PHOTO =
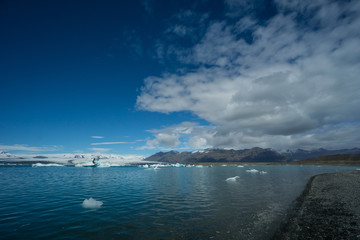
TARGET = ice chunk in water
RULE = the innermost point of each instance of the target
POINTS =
(47, 165)
(252, 171)
(232, 179)
(91, 203)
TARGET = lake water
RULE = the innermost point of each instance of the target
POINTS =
(139, 203)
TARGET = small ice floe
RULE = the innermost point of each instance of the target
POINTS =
(104, 165)
(153, 167)
(252, 171)
(199, 166)
(177, 165)
(263, 172)
(47, 165)
(232, 179)
(91, 203)
(240, 166)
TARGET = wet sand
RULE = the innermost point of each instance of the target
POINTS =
(329, 208)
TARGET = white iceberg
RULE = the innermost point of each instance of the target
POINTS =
(47, 165)
(232, 179)
(104, 165)
(91, 203)
(240, 166)
(178, 165)
(263, 172)
(252, 171)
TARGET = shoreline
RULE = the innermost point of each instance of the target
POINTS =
(328, 208)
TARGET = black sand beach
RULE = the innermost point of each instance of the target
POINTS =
(329, 208)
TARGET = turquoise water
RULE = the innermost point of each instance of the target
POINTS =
(138, 203)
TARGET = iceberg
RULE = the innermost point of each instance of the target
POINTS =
(232, 179)
(104, 165)
(91, 203)
(178, 165)
(47, 165)
(252, 171)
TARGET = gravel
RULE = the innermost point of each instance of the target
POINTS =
(329, 208)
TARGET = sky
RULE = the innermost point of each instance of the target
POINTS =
(142, 76)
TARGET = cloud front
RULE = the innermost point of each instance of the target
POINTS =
(289, 81)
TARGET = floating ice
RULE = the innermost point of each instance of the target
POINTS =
(232, 179)
(178, 165)
(153, 167)
(252, 171)
(47, 165)
(104, 165)
(91, 203)
(263, 172)
(240, 166)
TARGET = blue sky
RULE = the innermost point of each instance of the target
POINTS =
(153, 75)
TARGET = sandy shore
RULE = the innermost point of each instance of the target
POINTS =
(329, 208)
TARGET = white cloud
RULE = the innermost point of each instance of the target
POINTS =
(297, 82)
(170, 137)
(100, 149)
(97, 137)
(110, 143)
(24, 147)
(198, 142)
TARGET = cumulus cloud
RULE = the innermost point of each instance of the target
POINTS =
(171, 136)
(291, 81)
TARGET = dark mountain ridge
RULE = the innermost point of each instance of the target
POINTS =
(255, 154)
(301, 154)
(338, 159)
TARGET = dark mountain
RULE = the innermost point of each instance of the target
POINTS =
(301, 154)
(220, 155)
(341, 159)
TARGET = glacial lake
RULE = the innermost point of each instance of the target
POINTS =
(219, 202)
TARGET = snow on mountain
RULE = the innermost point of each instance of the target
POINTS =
(6, 155)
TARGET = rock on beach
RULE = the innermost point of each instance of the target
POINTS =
(329, 208)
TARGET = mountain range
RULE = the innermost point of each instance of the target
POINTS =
(219, 155)
(254, 155)
(301, 154)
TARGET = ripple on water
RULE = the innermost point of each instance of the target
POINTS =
(173, 203)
